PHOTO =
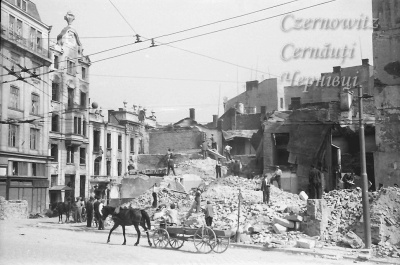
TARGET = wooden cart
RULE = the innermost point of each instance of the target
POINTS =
(204, 238)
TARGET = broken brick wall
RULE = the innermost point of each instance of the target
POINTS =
(386, 48)
(13, 209)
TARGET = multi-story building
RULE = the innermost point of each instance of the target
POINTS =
(69, 139)
(114, 145)
(24, 105)
(386, 47)
(259, 97)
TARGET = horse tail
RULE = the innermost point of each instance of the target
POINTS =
(146, 217)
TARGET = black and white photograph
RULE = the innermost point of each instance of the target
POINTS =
(198, 132)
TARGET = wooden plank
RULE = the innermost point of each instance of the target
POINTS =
(215, 153)
(222, 233)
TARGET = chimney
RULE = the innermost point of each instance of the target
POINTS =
(192, 114)
(215, 121)
(365, 61)
(220, 122)
(337, 69)
(250, 85)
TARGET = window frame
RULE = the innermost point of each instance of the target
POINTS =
(34, 138)
(70, 67)
(119, 142)
(82, 158)
(55, 157)
(13, 137)
(14, 104)
(70, 155)
(35, 110)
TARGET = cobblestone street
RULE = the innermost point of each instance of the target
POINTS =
(27, 242)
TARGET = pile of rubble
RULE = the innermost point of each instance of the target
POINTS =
(345, 211)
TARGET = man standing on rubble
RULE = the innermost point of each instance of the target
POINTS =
(227, 151)
(218, 168)
(266, 189)
(209, 213)
(204, 149)
(276, 176)
(315, 184)
(213, 142)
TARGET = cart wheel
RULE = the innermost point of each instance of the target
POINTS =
(204, 239)
(160, 238)
(176, 243)
(221, 244)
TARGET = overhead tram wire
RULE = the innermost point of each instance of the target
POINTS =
(215, 31)
(168, 34)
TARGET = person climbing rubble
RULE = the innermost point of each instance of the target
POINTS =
(218, 168)
(276, 176)
(227, 151)
(213, 142)
(204, 149)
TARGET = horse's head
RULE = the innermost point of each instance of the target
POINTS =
(107, 210)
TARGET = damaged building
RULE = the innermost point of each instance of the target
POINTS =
(386, 49)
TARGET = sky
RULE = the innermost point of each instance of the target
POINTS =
(186, 70)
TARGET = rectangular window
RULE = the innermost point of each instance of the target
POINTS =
(295, 103)
(119, 168)
(82, 156)
(24, 5)
(119, 142)
(54, 180)
(70, 67)
(35, 103)
(108, 140)
(96, 141)
(84, 128)
(12, 135)
(55, 63)
(34, 139)
(263, 109)
(132, 144)
(18, 30)
(39, 41)
(79, 125)
(32, 35)
(83, 72)
(55, 91)
(11, 25)
(70, 155)
(70, 97)
(55, 123)
(281, 103)
(14, 97)
(76, 125)
(19, 3)
(54, 152)
(83, 100)
(34, 172)
(96, 167)
(108, 168)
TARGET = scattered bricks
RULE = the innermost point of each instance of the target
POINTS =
(279, 229)
(284, 222)
(294, 218)
(305, 243)
(303, 196)
(353, 240)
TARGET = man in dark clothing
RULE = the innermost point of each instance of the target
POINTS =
(236, 168)
(197, 200)
(209, 213)
(315, 184)
(171, 166)
(218, 167)
(348, 180)
(89, 212)
(266, 189)
(213, 142)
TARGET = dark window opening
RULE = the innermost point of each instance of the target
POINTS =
(54, 152)
(55, 93)
(96, 141)
(84, 128)
(119, 142)
(55, 62)
(132, 144)
(119, 168)
(70, 97)
(70, 155)
(82, 156)
(295, 103)
(55, 123)
(108, 140)
(83, 100)
(97, 166)
(263, 109)
(108, 168)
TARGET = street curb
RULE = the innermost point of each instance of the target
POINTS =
(299, 251)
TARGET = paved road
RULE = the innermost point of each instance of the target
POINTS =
(26, 242)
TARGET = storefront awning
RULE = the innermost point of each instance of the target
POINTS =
(60, 187)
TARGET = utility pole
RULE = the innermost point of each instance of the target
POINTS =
(240, 198)
(364, 178)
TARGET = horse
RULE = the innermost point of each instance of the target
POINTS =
(127, 217)
(63, 207)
